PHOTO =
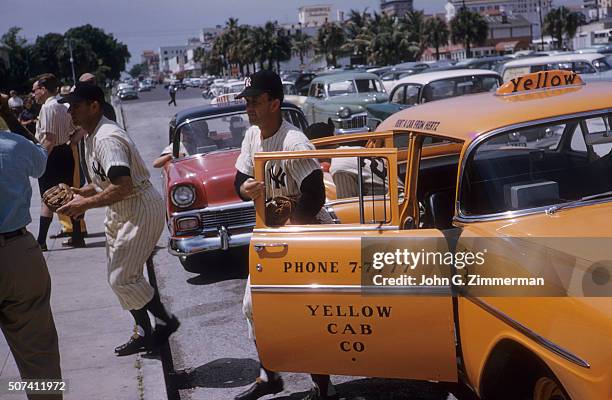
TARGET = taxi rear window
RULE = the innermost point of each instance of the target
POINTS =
(539, 166)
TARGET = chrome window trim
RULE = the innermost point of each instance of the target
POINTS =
(316, 288)
(326, 228)
(233, 206)
(461, 217)
(542, 341)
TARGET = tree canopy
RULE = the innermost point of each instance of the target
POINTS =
(93, 51)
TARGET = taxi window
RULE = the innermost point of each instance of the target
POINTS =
(538, 166)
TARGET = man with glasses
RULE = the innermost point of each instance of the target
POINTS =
(301, 179)
(54, 120)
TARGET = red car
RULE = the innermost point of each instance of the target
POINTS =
(203, 211)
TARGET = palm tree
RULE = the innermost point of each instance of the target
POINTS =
(435, 34)
(301, 44)
(330, 39)
(413, 25)
(281, 46)
(561, 21)
(358, 34)
(468, 28)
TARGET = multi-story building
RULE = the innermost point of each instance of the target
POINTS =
(315, 15)
(598, 9)
(532, 10)
(396, 7)
(208, 36)
(167, 53)
(151, 60)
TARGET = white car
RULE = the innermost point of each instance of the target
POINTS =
(590, 66)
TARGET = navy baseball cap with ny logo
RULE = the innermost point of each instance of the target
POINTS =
(264, 81)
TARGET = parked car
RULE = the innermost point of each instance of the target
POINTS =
(343, 97)
(127, 93)
(228, 91)
(591, 66)
(203, 211)
(431, 86)
(492, 63)
(387, 290)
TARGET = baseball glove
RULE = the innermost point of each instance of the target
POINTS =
(279, 210)
(57, 196)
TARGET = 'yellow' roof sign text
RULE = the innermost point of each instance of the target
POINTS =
(540, 80)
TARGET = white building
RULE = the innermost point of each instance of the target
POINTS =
(597, 9)
(168, 53)
(396, 7)
(530, 9)
(316, 15)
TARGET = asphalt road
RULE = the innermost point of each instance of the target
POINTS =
(159, 94)
(212, 357)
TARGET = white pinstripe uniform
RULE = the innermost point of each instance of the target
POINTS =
(133, 225)
(282, 178)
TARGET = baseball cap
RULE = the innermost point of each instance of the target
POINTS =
(87, 77)
(84, 92)
(264, 81)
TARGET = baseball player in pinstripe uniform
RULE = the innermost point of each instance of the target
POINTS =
(301, 179)
(134, 218)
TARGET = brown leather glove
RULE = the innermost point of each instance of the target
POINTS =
(57, 196)
(279, 210)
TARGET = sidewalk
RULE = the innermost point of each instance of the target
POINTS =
(90, 322)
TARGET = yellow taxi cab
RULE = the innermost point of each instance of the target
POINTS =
(509, 193)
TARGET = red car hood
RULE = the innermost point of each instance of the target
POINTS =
(211, 174)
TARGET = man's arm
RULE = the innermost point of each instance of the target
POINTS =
(311, 200)
(246, 187)
(119, 189)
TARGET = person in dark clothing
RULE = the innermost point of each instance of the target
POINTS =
(28, 116)
(172, 92)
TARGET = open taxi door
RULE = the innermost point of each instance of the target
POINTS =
(314, 307)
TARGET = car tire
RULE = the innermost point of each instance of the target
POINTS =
(233, 262)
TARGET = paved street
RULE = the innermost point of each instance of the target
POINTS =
(212, 356)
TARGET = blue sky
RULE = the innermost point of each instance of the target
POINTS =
(148, 24)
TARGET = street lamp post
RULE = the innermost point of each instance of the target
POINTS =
(541, 26)
(71, 60)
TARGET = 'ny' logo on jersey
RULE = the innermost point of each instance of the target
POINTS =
(278, 177)
(247, 81)
(98, 170)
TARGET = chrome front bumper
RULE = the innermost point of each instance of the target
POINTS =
(198, 244)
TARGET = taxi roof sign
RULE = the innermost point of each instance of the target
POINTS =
(555, 79)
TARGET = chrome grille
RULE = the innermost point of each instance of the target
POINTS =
(231, 218)
(357, 121)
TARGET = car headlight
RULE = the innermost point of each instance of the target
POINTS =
(344, 112)
(183, 196)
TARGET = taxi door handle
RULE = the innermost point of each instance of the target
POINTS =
(261, 246)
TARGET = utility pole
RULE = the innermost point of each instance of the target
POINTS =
(541, 26)
(69, 40)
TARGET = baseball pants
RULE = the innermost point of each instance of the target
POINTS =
(133, 227)
(25, 313)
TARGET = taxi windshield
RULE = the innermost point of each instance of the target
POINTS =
(539, 166)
